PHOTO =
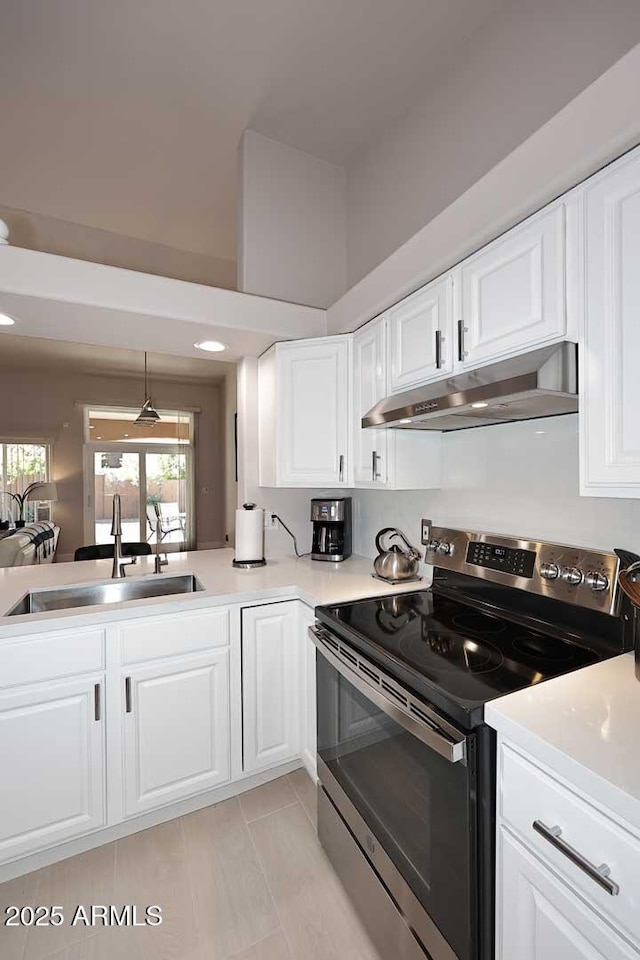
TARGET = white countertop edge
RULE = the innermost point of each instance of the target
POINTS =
(283, 578)
(612, 800)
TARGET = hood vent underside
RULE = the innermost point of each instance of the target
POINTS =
(542, 383)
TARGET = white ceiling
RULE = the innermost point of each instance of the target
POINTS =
(81, 323)
(126, 114)
(32, 353)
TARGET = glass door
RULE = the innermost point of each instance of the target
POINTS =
(116, 471)
(155, 488)
(166, 498)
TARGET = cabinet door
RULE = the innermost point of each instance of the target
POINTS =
(309, 747)
(539, 918)
(313, 412)
(513, 291)
(52, 762)
(271, 682)
(420, 336)
(610, 384)
(369, 386)
(176, 730)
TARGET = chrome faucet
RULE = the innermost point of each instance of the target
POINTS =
(159, 563)
(116, 532)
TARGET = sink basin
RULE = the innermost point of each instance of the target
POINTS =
(108, 591)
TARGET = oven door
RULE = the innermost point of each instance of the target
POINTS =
(403, 780)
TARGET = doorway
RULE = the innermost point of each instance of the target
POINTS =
(155, 481)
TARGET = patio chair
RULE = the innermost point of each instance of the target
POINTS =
(168, 524)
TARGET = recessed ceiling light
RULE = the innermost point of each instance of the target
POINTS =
(211, 346)
(406, 420)
(91, 426)
(479, 405)
(6, 320)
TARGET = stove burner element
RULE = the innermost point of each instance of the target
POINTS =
(535, 646)
(462, 654)
(477, 623)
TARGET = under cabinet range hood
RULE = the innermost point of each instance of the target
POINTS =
(542, 383)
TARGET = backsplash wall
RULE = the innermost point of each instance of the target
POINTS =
(518, 479)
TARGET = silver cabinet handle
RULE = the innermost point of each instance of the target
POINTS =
(462, 353)
(127, 694)
(601, 874)
(97, 705)
(438, 349)
(341, 467)
(374, 466)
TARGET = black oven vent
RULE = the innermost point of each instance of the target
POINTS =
(369, 673)
(394, 693)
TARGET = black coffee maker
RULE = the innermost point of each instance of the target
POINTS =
(331, 521)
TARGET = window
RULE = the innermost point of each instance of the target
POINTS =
(152, 470)
(23, 463)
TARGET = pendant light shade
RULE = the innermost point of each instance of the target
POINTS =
(148, 416)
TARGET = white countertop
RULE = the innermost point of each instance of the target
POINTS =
(585, 726)
(313, 582)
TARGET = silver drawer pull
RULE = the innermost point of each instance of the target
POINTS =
(600, 874)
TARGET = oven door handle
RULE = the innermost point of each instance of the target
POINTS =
(415, 717)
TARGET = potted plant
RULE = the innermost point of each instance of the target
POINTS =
(21, 499)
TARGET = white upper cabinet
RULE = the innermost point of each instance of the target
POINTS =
(421, 336)
(303, 413)
(370, 461)
(395, 459)
(513, 291)
(609, 382)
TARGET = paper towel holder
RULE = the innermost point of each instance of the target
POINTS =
(249, 564)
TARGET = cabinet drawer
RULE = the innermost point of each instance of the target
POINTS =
(528, 795)
(174, 635)
(50, 656)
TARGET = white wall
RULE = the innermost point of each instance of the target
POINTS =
(292, 224)
(518, 479)
(597, 126)
(513, 74)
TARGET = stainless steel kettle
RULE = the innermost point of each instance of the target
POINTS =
(395, 563)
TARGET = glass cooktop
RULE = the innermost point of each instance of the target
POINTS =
(448, 648)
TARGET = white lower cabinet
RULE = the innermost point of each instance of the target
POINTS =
(567, 872)
(167, 707)
(271, 685)
(539, 918)
(176, 729)
(52, 758)
(309, 746)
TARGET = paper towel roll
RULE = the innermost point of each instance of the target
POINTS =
(249, 535)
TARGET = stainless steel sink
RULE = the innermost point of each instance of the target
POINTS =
(109, 591)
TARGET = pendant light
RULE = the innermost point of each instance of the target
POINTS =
(148, 416)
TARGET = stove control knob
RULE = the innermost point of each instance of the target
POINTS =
(432, 546)
(549, 571)
(444, 547)
(572, 576)
(596, 581)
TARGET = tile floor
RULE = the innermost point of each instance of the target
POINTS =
(243, 880)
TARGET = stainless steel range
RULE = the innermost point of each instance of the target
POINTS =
(406, 802)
